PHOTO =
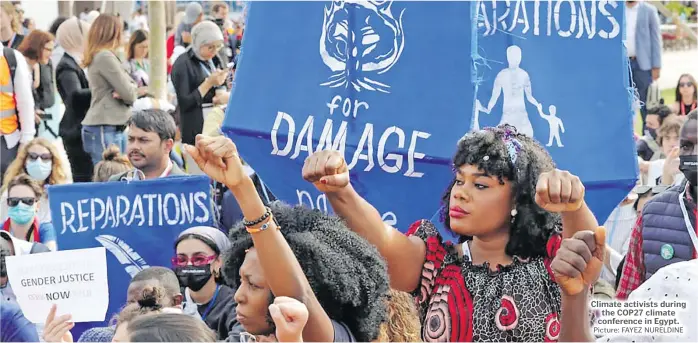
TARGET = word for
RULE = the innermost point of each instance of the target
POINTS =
(52, 280)
(638, 317)
(153, 209)
(320, 203)
(389, 162)
(513, 17)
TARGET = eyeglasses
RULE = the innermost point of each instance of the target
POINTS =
(198, 260)
(215, 47)
(44, 157)
(685, 84)
(12, 202)
(642, 190)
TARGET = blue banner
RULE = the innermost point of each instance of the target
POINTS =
(394, 85)
(558, 71)
(387, 83)
(137, 222)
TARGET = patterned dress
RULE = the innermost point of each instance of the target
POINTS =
(462, 302)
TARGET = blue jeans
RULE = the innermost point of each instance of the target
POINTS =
(642, 80)
(95, 139)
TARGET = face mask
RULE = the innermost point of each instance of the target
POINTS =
(21, 214)
(38, 169)
(652, 133)
(688, 165)
(193, 277)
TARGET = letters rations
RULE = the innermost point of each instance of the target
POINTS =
(580, 19)
(140, 210)
(638, 317)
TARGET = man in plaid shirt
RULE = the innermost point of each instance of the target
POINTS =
(634, 271)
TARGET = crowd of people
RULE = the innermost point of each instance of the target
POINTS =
(75, 107)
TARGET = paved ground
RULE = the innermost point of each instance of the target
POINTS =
(676, 63)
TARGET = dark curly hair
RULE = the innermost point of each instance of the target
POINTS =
(532, 225)
(347, 274)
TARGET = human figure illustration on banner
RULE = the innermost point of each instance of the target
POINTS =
(555, 124)
(515, 84)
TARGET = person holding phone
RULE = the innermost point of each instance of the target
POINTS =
(199, 78)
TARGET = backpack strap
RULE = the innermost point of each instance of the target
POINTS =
(11, 59)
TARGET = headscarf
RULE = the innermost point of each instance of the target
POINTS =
(211, 233)
(71, 38)
(203, 33)
(91, 16)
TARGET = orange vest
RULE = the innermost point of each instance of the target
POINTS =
(9, 121)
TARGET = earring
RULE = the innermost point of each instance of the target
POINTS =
(514, 212)
(216, 273)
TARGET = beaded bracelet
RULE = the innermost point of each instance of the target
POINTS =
(267, 213)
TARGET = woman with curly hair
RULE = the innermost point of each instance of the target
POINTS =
(41, 161)
(496, 283)
(295, 252)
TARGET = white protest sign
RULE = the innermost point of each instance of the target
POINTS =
(74, 280)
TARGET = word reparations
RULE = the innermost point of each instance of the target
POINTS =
(142, 209)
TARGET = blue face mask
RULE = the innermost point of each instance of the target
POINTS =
(21, 214)
(38, 169)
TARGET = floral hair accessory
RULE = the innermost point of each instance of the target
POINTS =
(512, 144)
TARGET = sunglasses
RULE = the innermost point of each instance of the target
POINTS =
(685, 84)
(197, 260)
(12, 202)
(642, 190)
(44, 157)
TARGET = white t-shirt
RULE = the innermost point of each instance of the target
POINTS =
(655, 171)
(678, 281)
(630, 28)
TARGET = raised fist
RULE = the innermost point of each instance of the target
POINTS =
(579, 260)
(559, 191)
(327, 170)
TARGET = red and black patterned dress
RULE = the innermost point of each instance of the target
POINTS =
(462, 302)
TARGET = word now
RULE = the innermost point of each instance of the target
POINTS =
(388, 162)
(153, 209)
(513, 16)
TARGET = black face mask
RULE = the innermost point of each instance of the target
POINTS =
(652, 133)
(688, 165)
(193, 277)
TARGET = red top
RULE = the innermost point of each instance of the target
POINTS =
(170, 45)
(462, 302)
(33, 233)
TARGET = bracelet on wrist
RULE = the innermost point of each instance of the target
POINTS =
(267, 224)
(267, 214)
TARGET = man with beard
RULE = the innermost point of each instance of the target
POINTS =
(151, 136)
(665, 233)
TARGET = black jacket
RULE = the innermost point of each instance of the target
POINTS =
(75, 91)
(187, 75)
